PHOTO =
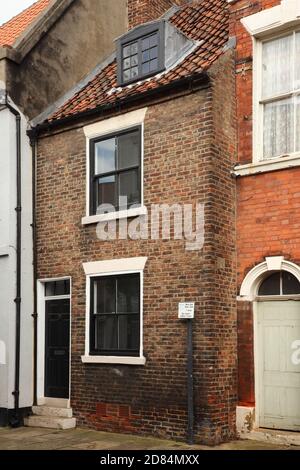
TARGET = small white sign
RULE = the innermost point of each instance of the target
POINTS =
(186, 310)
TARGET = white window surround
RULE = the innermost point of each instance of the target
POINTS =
(267, 24)
(112, 268)
(250, 284)
(101, 129)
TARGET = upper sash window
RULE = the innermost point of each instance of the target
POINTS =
(280, 96)
(116, 171)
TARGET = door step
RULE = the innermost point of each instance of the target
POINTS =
(51, 411)
(50, 417)
(273, 436)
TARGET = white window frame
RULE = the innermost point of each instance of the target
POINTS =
(113, 268)
(267, 24)
(105, 128)
(259, 102)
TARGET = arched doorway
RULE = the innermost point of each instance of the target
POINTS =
(274, 289)
(277, 341)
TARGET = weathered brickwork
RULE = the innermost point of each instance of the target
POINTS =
(189, 150)
(268, 204)
(142, 11)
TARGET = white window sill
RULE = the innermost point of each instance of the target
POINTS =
(132, 361)
(126, 214)
(267, 165)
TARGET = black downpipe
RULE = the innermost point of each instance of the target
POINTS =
(16, 419)
(34, 315)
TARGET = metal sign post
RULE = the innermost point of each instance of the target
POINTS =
(186, 312)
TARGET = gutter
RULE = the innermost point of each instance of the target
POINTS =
(16, 419)
(198, 81)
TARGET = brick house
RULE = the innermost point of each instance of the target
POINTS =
(268, 198)
(40, 60)
(155, 124)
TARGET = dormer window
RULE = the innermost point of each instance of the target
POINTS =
(141, 53)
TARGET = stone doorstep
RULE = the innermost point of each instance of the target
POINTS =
(50, 422)
(51, 417)
(51, 411)
(272, 436)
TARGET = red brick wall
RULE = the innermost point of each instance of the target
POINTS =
(268, 204)
(246, 393)
(141, 11)
(268, 218)
(188, 156)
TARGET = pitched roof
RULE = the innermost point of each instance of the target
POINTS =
(14, 28)
(205, 21)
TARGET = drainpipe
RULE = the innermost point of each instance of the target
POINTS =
(33, 141)
(16, 420)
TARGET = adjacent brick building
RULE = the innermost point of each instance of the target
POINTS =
(267, 214)
(185, 111)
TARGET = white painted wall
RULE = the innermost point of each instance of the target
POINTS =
(8, 264)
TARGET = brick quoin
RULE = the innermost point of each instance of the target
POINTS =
(189, 150)
(142, 11)
(268, 216)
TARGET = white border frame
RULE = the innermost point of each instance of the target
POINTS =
(91, 272)
(41, 299)
(101, 129)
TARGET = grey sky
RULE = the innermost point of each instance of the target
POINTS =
(10, 8)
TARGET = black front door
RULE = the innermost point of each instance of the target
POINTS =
(57, 348)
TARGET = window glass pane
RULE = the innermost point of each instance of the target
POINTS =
(290, 285)
(126, 51)
(134, 72)
(277, 59)
(271, 285)
(128, 294)
(104, 295)
(153, 40)
(57, 288)
(106, 191)
(145, 43)
(106, 332)
(126, 63)
(154, 53)
(278, 128)
(145, 56)
(153, 65)
(105, 156)
(126, 75)
(128, 150)
(134, 60)
(297, 62)
(129, 332)
(134, 48)
(129, 186)
(146, 68)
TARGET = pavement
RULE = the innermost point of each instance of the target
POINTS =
(85, 439)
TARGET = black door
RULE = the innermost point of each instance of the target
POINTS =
(57, 348)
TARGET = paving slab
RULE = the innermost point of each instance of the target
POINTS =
(85, 439)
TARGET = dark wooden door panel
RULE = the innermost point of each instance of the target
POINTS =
(57, 348)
